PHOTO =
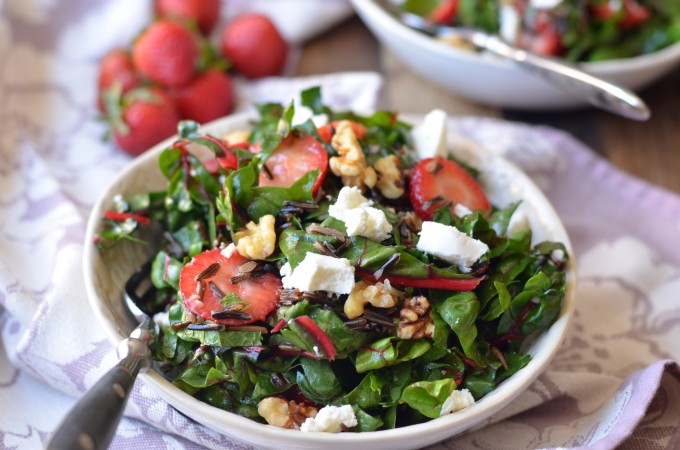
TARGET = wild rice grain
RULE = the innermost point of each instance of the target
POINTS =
(209, 271)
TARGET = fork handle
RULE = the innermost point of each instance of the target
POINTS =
(92, 422)
(596, 91)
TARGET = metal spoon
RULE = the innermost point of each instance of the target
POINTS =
(92, 422)
(596, 91)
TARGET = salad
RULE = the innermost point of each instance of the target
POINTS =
(589, 30)
(317, 273)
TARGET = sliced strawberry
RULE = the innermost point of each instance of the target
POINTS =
(445, 12)
(254, 46)
(547, 40)
(634, 14)
(166, 53)
(260, 293)
(435, 181)
(294, 157)
(326, 131)
(548, 43)
(204, 13)
(602, 11)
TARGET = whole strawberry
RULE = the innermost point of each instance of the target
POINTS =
(166, 53)
(203, 13)
(115, 69)
(254, 46)
(208, 97)
(142, 119)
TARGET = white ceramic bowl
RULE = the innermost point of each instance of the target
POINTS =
(488, 79)
(106, 273)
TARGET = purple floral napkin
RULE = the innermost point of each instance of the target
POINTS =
(613, 383)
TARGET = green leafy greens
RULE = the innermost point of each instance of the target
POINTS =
(308, 350)
(589, 30)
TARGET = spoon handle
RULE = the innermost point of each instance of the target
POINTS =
(597, 91)
(92, 422)
(569, 77)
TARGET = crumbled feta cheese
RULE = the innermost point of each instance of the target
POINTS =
(450, 244)
(348, 198)
(461, 210)
(557, 255)
(360, 218)
(303, 114)
(286, 271)
(519, 221)
(429, 138)
(331, 419)
(509, 21)
(456, 401)
(320, 273)
(545, 4)
(228, 250)
(368, 222)
(162, 319)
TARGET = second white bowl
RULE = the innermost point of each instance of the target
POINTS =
(488, 79)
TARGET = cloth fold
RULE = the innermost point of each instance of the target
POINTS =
(613, 382)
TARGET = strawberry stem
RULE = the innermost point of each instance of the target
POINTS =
(279, 326)
(432, 282)
(122, 216)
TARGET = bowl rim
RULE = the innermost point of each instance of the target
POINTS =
(606, 67)
(243, 428)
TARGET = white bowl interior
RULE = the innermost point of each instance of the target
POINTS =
(106, 273)
(493, 81)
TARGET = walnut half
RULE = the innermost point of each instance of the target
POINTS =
(390, 178)
(285, 414)
(350, 165)
(257, 241)
(416, 319)
(380, 295)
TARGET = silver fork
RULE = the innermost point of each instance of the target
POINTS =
(92, 422)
